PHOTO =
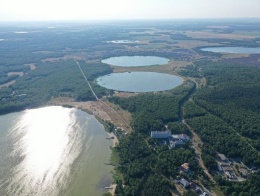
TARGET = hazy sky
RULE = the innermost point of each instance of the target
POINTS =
(126, 9)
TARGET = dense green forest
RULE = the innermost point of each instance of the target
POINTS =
(248, 188)
(146, 171)
(137, 164)
(226, 114)
(57, 79)
(152, 111)
(231, 96)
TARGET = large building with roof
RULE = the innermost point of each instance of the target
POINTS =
(161, 134)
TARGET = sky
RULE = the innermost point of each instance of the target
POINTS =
(45, 10)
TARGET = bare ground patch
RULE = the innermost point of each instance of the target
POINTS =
(66, 57)
(15, 73)
(231, 56)
(124, 94)
(204, 34)
(7, 84)
(189, 44)
(98, 109)
(168, 68)
(32, 66)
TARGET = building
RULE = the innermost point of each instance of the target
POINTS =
(222, 157)
(182, 137)
(176, 143)
(161, 134)
(220, 167)
(184, 183)
(185, 167)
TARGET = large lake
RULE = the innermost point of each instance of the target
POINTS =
(235, 50)
(135, 61)
(139, 81)
(53, 151)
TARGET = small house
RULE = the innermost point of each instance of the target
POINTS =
(222, 157)
(184, 183)
(185, 167)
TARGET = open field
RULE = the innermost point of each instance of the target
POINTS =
(7, 84)
(189, 44)
(205, 34)
(168, 68)
(32, 66)
(15, 73)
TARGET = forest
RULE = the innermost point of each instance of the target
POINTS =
(152, 111)
(147, 171)
(49, 80)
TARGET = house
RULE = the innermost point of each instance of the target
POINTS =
(222, 157)
(220, 167)
(161, 134)
(185, 167)
(182, 137)
(184, 183)
(177, 143)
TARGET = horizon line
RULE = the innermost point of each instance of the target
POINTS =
(136, 19)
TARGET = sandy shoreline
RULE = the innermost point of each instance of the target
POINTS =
(98, 109)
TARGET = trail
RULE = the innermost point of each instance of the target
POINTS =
(99, 100)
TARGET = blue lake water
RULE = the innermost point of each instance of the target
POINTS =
(139, 81)
(234, 50)
(135, 61)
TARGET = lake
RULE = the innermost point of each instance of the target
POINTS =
(122, 41)
(53, 151)
(139, 81)
(235, 50)
(136, 61)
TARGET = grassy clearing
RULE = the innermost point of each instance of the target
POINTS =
(168, 68)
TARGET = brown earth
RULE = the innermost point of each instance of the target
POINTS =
(205, 34)
(7, 84)
(100, 110)
(15, 73)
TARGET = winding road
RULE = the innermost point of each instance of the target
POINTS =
(196, 141)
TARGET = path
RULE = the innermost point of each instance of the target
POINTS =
(99, 100)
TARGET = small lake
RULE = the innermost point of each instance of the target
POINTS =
(234, 50)
(53, 151)
(122, 41)
(139, 81)
(136, 61)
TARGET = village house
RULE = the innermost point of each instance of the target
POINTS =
(184, 183)
(222, 157)
(185, 167)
